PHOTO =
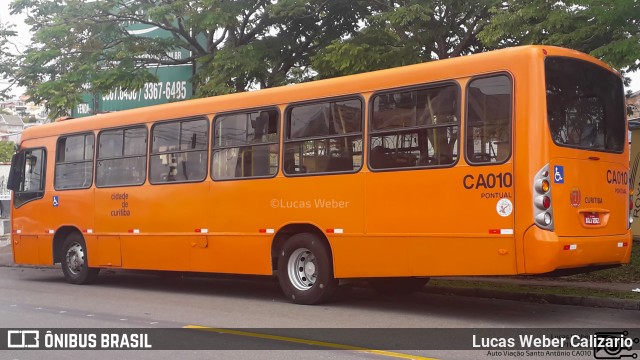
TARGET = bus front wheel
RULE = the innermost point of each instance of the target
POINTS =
(75, 267)
(305, 270)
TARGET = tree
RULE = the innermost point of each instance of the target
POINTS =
(401, 32)
(85, 46)
(7, 63)
(609, 30)
(7, 149)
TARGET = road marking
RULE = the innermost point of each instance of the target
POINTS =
(308, 342)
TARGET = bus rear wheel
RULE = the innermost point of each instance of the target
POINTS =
(305, 270)
(75, 267)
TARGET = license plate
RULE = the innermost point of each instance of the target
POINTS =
(591, 219)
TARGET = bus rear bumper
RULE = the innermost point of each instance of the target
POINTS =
(545, 252)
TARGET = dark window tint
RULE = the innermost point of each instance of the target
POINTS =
(122, 157)
(193, 135)
(179, 151)
(585, 105)
(488, 130)
(30, 165)
(325, 119)
(415, 128)
(166, 137)
(324, 137)
(135, 141)
(74, 162)
(110, 144)
(245, 145)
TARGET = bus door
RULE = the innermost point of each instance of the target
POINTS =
(488, 182)
(27, 181)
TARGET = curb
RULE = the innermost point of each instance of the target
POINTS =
(6, 260)
(621, 304)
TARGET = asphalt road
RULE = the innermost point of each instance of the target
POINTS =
(39, 298)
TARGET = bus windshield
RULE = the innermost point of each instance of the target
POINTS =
(584, 105)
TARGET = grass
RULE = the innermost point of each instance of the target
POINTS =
(629, 273)
(535, 289)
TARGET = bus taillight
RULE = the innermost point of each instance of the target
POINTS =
(546, 202)
(542, 212)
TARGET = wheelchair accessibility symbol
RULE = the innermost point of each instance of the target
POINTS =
(558, 174)
(56, 202)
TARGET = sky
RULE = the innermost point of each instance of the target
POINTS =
(24, 38)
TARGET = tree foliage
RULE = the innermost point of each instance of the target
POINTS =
(7, 149)
(7, 59)
(85, 45)
(235, 45)
(401, 32)
(609, 30)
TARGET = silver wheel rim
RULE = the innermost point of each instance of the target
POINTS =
(302, 269)
(75, 259)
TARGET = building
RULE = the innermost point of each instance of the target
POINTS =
(25, 109)
(13, 106)
(11, 127)
(633, 106)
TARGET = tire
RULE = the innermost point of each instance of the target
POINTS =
(74, 261)
(305, 270)
(398, 286)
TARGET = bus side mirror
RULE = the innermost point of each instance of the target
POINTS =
(15, 174)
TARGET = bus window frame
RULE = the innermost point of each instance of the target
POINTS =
(417, 87)
(39, 194)
(245, 111)
(151, 153)
(93, 160)
(147, 157)
(511, 123)
(286, 132)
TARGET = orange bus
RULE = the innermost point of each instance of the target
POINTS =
(502, 163)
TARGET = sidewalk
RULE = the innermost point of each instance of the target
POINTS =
(540, 290)
(6, 257)
(505, 288)
(541, 281)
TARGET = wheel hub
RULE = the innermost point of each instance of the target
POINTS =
(301, 269)
(75, 259)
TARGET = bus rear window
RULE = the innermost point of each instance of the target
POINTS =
(585, 105)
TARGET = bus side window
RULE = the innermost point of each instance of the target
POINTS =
(245, 145)
(74, 162)
(324, 137)
(179, 151)
(488, 120)
(122, 157)
(415, 128)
